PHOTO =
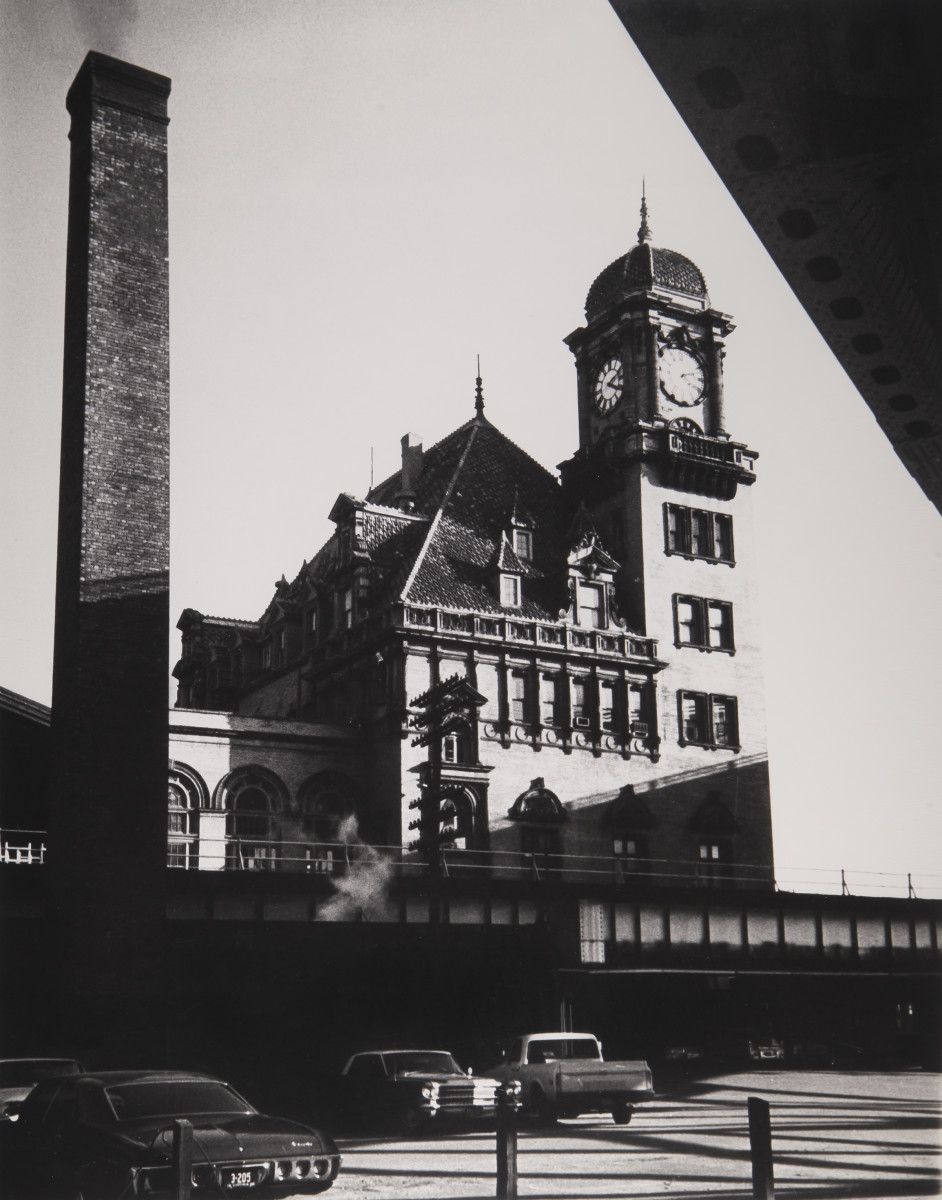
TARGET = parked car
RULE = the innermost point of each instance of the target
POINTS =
(110, 1134)
(413, 1090)
(742, 1050)
(564, 1075)
(18, 1076)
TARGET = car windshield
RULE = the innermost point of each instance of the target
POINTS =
(563, 1048)
(23, 1072)
(436, 1062)
(173, 1098)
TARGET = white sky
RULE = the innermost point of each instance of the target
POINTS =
(363, 197)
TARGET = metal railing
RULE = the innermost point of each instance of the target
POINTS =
(27, 847)
(339, 859)
(22, 847)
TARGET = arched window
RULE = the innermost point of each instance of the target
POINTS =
(186, 795)
(253, 799)
(457, 821)
(713, 827)
(328, 821)
(540, 816)
(181, 827)
(631, 822)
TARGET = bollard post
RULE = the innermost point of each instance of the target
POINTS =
(182, 1159)
(508, 1095)
(760, 1143)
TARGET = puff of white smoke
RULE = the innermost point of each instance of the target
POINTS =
(362, 893)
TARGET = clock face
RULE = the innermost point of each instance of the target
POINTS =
(681, 377)
(609, 384)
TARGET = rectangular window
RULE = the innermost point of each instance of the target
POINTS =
(510, 591)
(266, 655)
(722, 537)
(549, 700)
(580, 711)
(178, 854)
(523, 544)
(725, 723)
(708, 720)
(698, 533)
(687, 621)
(178, 822)
(347, 602)
(591, 606)
(519, 696)
(607, 704)
(706, 624)
(693, 716)
(720, 618)
(636, 721)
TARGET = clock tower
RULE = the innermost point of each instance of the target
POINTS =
(651, 353)
(669, 492)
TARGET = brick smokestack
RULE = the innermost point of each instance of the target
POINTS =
(108, 807)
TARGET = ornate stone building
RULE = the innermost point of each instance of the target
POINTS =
(606, 618)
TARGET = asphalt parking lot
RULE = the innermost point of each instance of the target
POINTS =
(834, 1134)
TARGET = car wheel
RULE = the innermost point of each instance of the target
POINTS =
(622, 1114)
(542, 1107)
(411, 1119)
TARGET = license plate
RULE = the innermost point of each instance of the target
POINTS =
(243, 1178)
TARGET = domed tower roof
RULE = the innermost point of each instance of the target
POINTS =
(645, 266)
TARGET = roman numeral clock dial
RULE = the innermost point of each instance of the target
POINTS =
(681, 377)
(609, 385)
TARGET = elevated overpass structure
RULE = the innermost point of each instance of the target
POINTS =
(824, 121)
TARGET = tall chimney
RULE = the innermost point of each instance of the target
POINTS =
(411, 470)
(108, 808)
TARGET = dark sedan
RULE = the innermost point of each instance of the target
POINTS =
(413, 1090)
(110, 1134)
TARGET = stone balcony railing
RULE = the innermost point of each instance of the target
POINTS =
(517, 630)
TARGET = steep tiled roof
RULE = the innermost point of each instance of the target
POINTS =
(445, 550)
(475, 476)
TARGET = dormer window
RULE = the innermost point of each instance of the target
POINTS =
(523, 544)
(510, 591)
(591, 605)
(346, 607)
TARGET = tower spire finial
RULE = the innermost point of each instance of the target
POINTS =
(478, 393)
(644, 233)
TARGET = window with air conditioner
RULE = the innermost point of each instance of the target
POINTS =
(579, 700)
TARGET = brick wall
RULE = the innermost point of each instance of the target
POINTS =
(107, 819)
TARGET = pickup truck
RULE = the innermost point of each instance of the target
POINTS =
(564, 1075)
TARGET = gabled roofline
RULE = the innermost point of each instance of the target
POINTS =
(437, 519)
